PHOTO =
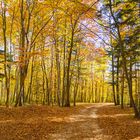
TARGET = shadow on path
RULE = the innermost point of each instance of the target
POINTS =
(81, 126)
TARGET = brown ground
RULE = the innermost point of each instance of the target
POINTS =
(54, 123)
(119, 123)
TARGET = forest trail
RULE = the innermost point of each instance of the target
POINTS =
(82, 126)
(51, 123)
(83, 122)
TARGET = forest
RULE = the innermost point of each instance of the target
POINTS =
(67, 55)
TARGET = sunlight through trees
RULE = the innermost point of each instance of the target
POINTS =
(60, 52)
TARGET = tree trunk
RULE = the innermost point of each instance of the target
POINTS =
(122, 89)
(67, 104)
(117, 81)
(113, 77)
(7, 78)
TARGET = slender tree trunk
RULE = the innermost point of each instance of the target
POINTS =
(68, 70)
(7, 82)
(103, 88)
(96, 90)
(58, 74)
(51, 76)
(130, 75)
(117, 81)
(64, 72)
(113, 77)
(22, 61)
(122, 90)
(29, 93)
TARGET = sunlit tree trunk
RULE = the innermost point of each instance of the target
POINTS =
(122, 89)
(117, 80)
(7, 76)
(64, 70)
(68, 69)
(20, 97)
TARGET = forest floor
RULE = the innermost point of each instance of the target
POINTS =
(83, 122)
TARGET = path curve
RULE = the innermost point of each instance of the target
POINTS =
(83, 126)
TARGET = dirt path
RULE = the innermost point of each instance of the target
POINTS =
(83, 122)
(51, 123)
(82, 126)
